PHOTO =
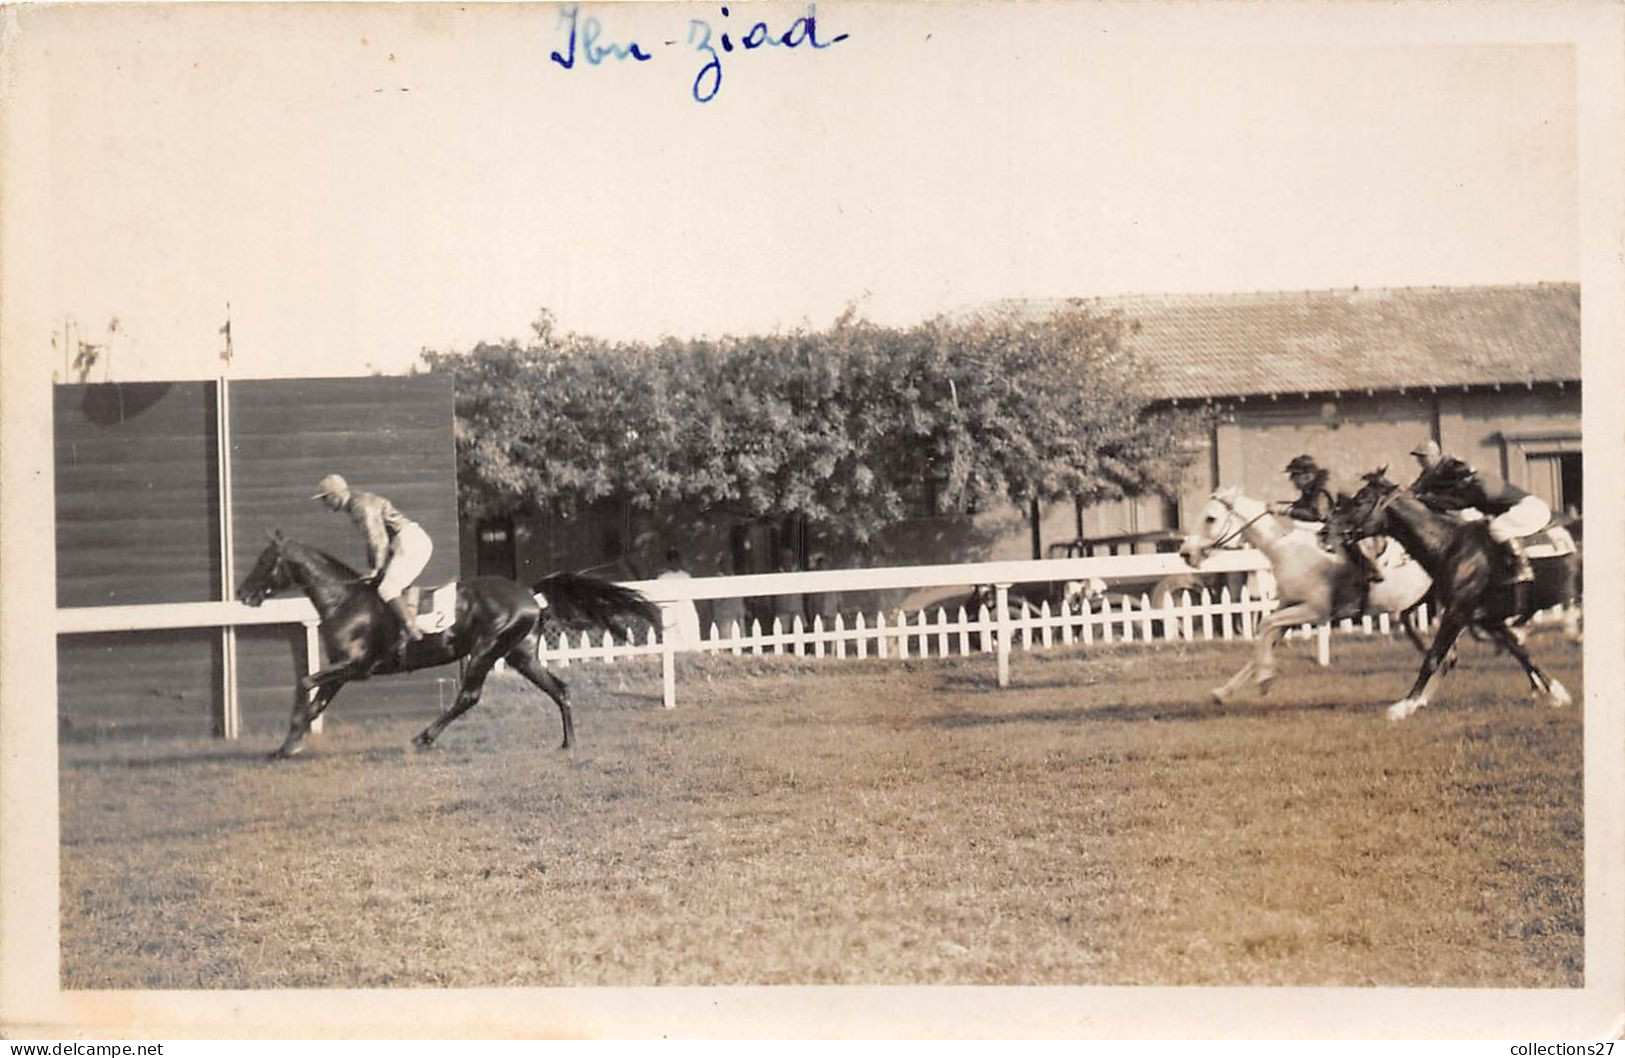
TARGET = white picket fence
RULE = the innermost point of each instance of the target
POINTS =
(934, 632)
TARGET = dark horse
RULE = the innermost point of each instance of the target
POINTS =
(497, 619)
(1469, 580)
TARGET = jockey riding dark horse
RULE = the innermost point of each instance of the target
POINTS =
(397, 549)
(1448, 484)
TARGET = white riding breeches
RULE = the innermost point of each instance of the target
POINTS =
(408, 553)
(1530, 515)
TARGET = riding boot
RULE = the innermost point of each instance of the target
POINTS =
(409, 625)
(1369, 573)
(1373, 575)
(1521, 575)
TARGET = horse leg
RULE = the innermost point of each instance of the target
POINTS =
(523, 661)
(1427, 679)
(1543, 687)
(1407, 621)
(468, 696)
(1261, 666)
(325, 682)
(1225, 691)
(481, 660)
(305, 712)
(336, 674)
(1273, 629)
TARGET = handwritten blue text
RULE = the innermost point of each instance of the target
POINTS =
(585, 41)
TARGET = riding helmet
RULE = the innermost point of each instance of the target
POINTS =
(1303, 464)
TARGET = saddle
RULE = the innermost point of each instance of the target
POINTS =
(435, 608)
(1554, 541)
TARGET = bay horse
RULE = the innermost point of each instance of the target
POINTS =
(496, 619)
(1469, 574)
(1313, 584)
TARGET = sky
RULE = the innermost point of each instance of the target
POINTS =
(358, 183)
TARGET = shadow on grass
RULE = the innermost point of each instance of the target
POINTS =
(235, 754)
(1182, 712)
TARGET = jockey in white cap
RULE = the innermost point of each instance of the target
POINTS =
(1428, 455)
(397, 548)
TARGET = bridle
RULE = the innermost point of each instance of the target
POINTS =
(1378, 509)
(276, 577)
(1234, 533)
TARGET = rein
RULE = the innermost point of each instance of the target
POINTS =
(1378, 509)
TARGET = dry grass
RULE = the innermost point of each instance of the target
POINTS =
(859, 823)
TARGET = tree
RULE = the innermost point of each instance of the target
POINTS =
(840, 427)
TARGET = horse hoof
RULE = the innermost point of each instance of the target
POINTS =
(1557, 696)
(423, 742)
(1218, 696)
(284, 752)
(1265, 684)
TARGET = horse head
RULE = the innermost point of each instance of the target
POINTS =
(270, 573)
(1360, 515)
(1218, 525)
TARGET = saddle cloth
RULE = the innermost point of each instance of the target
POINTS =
(436, 608)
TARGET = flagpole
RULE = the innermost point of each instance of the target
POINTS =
(231, 709)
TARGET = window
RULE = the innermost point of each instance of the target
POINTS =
(1556, 478)
(494, 550)
(1548, 465)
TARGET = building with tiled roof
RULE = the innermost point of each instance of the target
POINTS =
(1207, 347)
(1355, 378)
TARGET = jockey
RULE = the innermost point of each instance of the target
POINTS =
(1448, 484)
(1314, 504)
(397, 547)
(1428, 455)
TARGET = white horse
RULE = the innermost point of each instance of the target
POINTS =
(1313, 584)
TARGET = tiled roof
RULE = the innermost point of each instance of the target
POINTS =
(1231, 345)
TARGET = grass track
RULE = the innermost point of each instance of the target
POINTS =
(860, 823)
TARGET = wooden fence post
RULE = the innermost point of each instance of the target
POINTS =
(668, 668)
(1003, 618)
(313, 661)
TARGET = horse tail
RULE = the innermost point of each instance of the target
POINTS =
(578, 597)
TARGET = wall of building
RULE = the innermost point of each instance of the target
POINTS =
(1517, 433)
(1508, 432)
(1348, 437)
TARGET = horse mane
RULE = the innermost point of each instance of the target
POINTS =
(316, 556)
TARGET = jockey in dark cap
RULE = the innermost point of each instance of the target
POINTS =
(1314, 504)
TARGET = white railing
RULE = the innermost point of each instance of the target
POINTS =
(159, 616)
(226, 617)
